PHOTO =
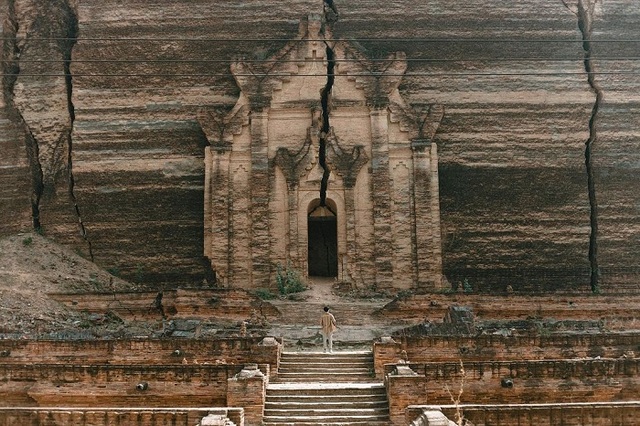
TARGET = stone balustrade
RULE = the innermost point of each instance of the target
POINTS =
(62, 416)
(232, 350)
(434, 307)
(578, 414)
(220, 304)
(511, 382)
(116, 385)
(496, 347)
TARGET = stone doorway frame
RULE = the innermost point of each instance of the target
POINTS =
(329, 210)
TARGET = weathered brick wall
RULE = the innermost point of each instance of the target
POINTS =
(247, 389)
(504, 348)
(500, 306)
(597, 414)
(116, 385)
(403, 391)
(551, 381)
(232, 304)
(114, 416)
(141, 352)
(217, 304)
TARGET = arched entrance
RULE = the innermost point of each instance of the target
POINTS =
(322, 239)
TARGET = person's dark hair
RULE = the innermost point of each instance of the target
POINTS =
(326, 309)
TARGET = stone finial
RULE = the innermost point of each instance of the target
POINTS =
(269, 341)
(388, 340)
(249, 371)
(214, 420)
(403, 370)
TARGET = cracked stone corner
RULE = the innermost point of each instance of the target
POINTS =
(49, 155)
(12, 51)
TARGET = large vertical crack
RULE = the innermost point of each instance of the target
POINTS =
(11, 51)
(67, 45)
(584, 11)
(49, 32)
(330, 15)
(325, 129)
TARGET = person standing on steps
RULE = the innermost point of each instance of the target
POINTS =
(328, 323)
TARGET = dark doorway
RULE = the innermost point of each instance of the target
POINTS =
(322, 240)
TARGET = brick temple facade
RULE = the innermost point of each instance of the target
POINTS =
(322, 166)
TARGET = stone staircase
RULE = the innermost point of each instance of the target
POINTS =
(314, 388)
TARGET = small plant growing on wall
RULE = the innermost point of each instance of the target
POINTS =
(264, 294)
(457, 398)
(289, 280)
(466, 286)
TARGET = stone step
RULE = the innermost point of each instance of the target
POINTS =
(336, 423)
(324, 369)
(328, 390)
(314, 388)
(344, 366)
(326, 356)
(325, 420)
(314, 368)
(327, 376)
(297, 404)
(324, 364)
(379, 413)
(328, 398)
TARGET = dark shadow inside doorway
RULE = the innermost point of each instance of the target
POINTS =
(322, 243)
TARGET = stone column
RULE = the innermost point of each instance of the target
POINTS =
(347, 164)
(260, 191)
(216, 214)
(352, 263)
(247, 389)
(381, 196)
(428, 249)
(404, 258)
(294, 242)
(435, 220)
(241, 222)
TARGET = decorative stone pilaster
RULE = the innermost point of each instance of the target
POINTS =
(269, 350)
(294, 166)
(436, 231)
(428, 238)
(217, 227)
(247, 389)
(381, 197)
(404, 387)
(386, 351)
(260, 190)
(347, 164)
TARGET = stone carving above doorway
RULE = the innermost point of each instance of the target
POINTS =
(317, 125)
